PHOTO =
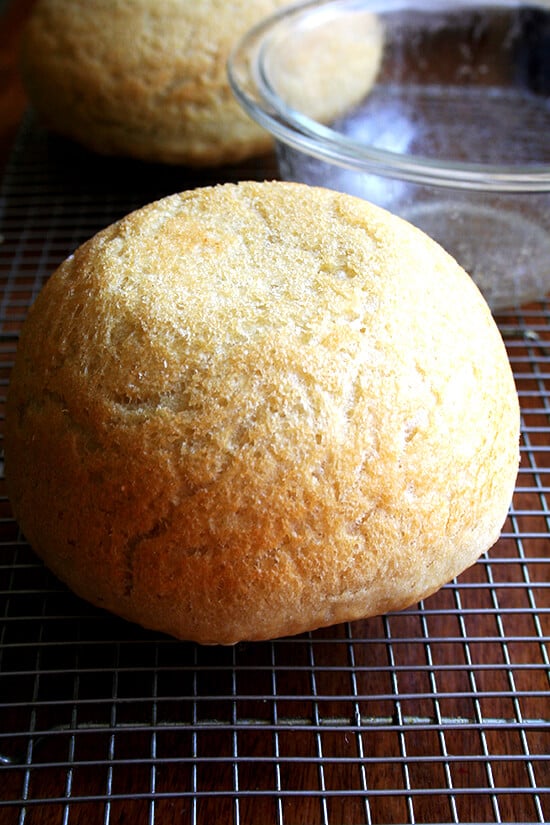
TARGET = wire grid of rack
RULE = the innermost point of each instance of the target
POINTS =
(438, 714)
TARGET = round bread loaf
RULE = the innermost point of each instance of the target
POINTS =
(143, 78)
(147, 78)
(252, 410)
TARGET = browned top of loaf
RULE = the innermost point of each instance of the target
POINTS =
(252, 410)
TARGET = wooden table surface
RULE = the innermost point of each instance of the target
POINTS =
(439, 714)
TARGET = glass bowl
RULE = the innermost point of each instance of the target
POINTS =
(438, 111)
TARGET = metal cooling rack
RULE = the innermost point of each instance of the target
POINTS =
(439, 714)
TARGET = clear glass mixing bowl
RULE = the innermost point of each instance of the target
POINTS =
(438, 111)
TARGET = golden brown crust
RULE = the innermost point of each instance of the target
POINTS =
(144, 78)
(253, 410)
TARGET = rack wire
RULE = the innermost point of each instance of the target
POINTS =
(438, 714)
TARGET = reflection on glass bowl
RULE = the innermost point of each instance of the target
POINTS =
(443, 118)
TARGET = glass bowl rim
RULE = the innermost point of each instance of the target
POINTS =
(250, 85)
